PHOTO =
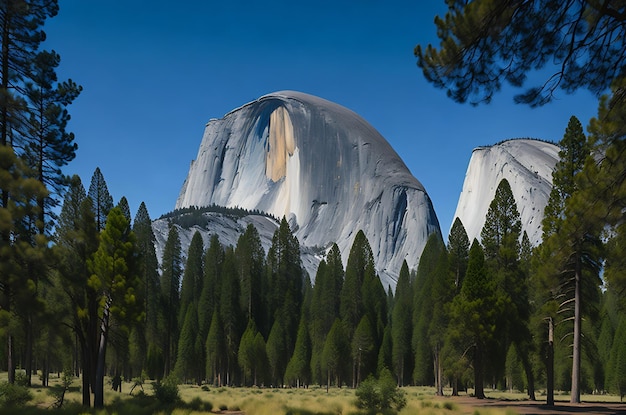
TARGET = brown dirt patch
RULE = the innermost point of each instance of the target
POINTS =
(538, 407)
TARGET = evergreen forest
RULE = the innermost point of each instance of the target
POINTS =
(82, 288)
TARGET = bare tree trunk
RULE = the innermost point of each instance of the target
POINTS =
(550, 365)
(575, 396)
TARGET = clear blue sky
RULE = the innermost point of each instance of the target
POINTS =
(154, 72)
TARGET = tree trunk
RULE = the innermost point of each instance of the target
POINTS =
(10, 359)
(28, 352)
(575, 396)
(98, 398)
(550, 365)
(479, 389)
(86, 377)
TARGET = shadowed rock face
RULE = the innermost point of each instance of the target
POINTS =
(320, 165)
(527, 165)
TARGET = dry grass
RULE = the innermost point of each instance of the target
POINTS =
(313, 400)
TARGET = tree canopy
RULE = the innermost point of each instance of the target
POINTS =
(484, 43)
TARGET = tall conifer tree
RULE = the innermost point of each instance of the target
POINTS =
(171, 270)
(100, 197)
(570, 254)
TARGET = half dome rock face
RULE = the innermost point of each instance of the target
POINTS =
(527, 165)
(324, 168)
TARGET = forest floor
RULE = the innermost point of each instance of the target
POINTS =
(316, 400)
(539, 407)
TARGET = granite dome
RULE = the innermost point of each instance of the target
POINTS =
(320, 165)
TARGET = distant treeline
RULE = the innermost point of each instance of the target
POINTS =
(194, 215)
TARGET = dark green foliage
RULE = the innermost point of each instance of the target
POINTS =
(501, 238)
(13, 395)
(215, 348)
(335, 354)
(486, 42)
(115, 282)
(195, 216)
(250, 268)
(401, 326)
(48, 145)
(190, 350)
(171, 270)
(58, 391)
(324, 307)
(570, 255)
(76, 241)
(458, 250)
(252, 356)
(149, 294)
(606, 184)
(362, 295)
(298, 368)
(213, 262)
(572, 156)
(474, 314)
(191, 286)
(230, 313)
(422, 309)
(285, 279)
(360, 267)
(616, 376)
(123, 206)
(380, 394)
(100, 197)
(166, 391)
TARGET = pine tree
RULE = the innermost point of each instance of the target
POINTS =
(125, 208)
(148, 271)
(401, 325)
(458, 250)
(422, 309)
(501, 237)
(189, 350)
(48, 146)
(335, 354)
(22, 246)
(474, 314)
(277, 352)
(191, 286)
(362, 294)
(362, 347)
(617, 362)
(298, 370)
(76, 240)
(442, 294)
(213, 262)
(570, 253)
(286, 280)
(605, 184)
(101, 198)
(230, 312)
(214, 348)
(251, 264)
(171, 270)
(251, 355)
(360, 261)
(324, 308)
(115, 283)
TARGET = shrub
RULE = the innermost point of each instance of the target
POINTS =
(58, 391)
(20, 378)
(166, 391)
(380, 394)
(12, 395)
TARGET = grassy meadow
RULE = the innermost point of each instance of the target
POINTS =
(198, 400)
